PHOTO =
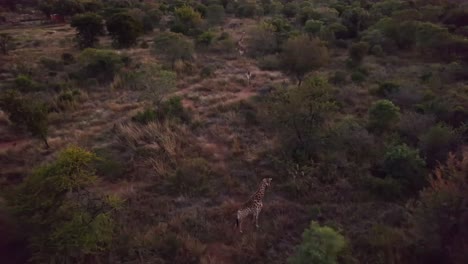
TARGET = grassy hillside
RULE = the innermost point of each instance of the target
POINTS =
(133, 131)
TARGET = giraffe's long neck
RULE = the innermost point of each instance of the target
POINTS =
(258, 196)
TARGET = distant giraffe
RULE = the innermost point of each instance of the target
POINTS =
(241, 47)
(248, 75)
(254, 205)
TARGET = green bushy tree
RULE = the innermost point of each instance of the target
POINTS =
(173, 46)
(65, 221)
(88, 26)
(26, 113)
(437, 142)
(298, 62)
(187, 20)
(99, 64)
(383, 115)
(299, 114)
(313, 27)
(215, 14)
(320, 245)
(124, 29)
(358, 51)
(406, 166)
(355, 19)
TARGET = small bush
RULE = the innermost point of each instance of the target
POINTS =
(338, 78)
(215, 14)
(124, 29)
(88, 26)
(100, 64)
(206, 38)
(192, 177)
(383, 115)
(358, 77)
(387, 189)
(387, 88)
(358, 51)
(207, 71)
(24, 83)
(187, 21)
(404, 164)
(269, 63)
(146, 116)
(437, 142)
(68, 58)
(313, 27)
(320, 245)
(377, 50)
(173, 46)
(173, 109)
(51, 64)
(109, 165)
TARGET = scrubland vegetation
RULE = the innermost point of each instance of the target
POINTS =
(131, 131)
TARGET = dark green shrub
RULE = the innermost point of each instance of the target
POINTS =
(320, 245)
(24, 83)
(387, 189)
(437, 142)
(376, 50)
(51, 64)
(290, 113)
(358, 51)
(187, 21)
(173, 109)
(99, 64)
(124, 29)
(269, 63)
(355, 19)
(88, 26)
(383, 115)
(206, 38)
(387, 88)
(68, 58)
(313, 27)
(26, 113)
(338, 78)
(290, 9)
(109, 165)
(215, 14)
(173, 46)
(192, 177)
(207, 71)
(404, 164)
(146, 116)
(298, 63)
(249, 9)
(65, 221)
(358, 77)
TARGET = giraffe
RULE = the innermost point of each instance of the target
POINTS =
(241, 47)
(248, 75)
(254, 205)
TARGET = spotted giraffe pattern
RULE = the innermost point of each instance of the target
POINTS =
(254, 205)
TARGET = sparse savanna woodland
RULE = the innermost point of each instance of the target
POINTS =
(223, 132)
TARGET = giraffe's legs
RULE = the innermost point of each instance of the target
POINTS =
(240, 225)
(257, 213)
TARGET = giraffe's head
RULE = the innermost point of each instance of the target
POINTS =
(266, 181)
